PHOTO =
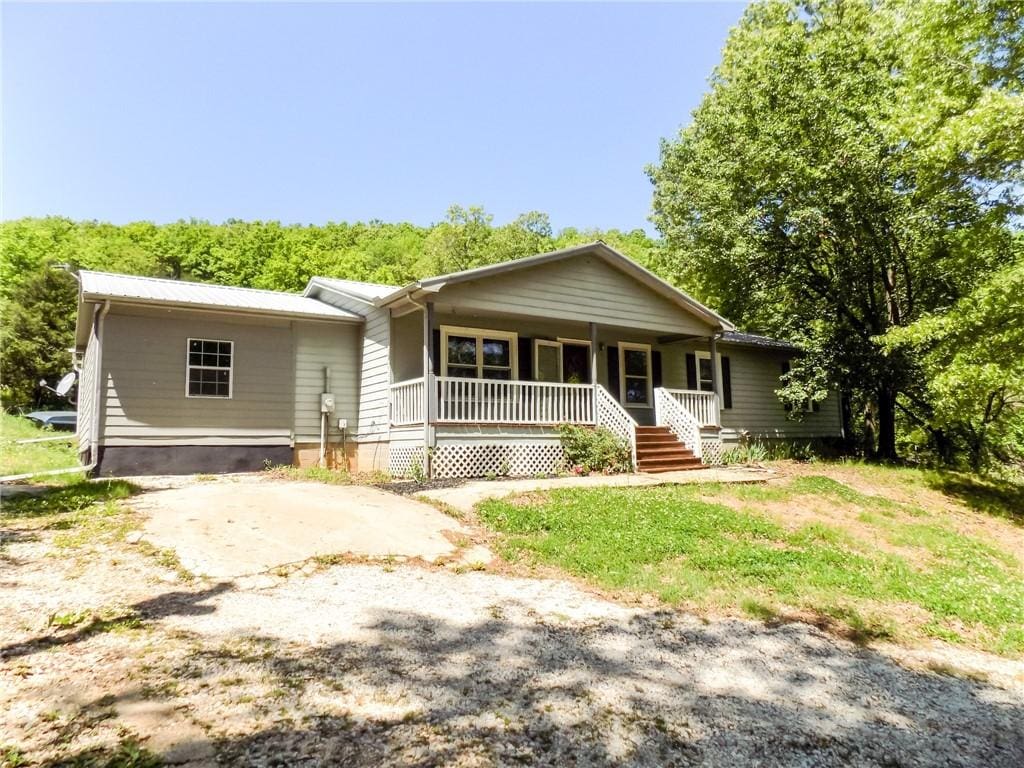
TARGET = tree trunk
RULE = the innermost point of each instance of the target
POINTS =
(886, 423)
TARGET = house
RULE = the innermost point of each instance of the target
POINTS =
(462, 375)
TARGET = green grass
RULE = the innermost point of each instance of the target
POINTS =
(877, 567)
(36, 457)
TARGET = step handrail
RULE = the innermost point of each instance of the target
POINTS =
(609, 413)
(669, 413)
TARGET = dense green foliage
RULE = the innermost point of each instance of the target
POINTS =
(856, 166)
(878, 566)
(37, 302)
(589, 449)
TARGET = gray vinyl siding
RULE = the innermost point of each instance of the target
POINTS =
(87, 395)
(144, 374)
(334, 346)
(583, 289)
(756, 408)
(372, 419)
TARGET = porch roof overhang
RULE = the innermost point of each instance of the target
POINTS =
(414, 294)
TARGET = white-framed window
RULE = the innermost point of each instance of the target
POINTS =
(635, 374)
(705, 381)
(479, 353)
(208, 368)
(547, 360)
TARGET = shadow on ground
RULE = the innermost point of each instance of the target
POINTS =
(519, 689)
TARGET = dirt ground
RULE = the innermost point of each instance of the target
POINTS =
(109, 649)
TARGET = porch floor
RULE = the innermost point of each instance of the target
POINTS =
(465, 497)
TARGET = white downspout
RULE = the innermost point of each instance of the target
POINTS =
(94, 447)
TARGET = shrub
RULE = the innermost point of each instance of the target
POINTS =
(593, 449)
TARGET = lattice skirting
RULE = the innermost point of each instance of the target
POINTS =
(402, 459)
(711, 450)
(483, 459)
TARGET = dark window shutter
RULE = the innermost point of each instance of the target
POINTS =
(691, 370)
(613, 371)
(785, 370)
(815, 406)
(436, 343)
(655, 368)
(525, 359)
(726, 383)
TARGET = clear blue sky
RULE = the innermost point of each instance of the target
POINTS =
(343, 112)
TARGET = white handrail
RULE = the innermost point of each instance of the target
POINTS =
(498, 401)
(611, 415)
(668, 412)
(407, 402)
(704, 406)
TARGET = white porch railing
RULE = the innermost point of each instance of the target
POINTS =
(669, 412)
(407, 400)
(493, 401)
(703, 405)
(615, 418)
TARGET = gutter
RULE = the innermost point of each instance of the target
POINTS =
(97, 411)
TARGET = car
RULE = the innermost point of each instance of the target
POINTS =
(66, 421)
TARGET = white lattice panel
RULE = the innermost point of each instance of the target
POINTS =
(483, 459)
(671, 414)
(711, 450)
(402, 458)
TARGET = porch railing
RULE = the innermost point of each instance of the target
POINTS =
(703, 405)
(668, 412)
(492, 401)
(407, 401)
(611, 415)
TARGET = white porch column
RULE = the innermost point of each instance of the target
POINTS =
(429, 385)
(593, 366)
(716, 380)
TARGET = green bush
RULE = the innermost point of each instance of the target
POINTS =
(594, 449)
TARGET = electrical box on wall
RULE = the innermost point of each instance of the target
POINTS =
(326, 403)
(342, 424)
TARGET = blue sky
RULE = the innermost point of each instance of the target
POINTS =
(344, 112)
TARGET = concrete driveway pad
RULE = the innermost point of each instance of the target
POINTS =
(227, 529)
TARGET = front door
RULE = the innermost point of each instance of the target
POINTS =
(575, 363)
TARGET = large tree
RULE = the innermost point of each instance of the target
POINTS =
(855, 165)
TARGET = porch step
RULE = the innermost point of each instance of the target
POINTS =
(659, 450)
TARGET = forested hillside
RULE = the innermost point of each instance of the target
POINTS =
(38, 299)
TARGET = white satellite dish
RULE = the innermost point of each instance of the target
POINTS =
(65, 384)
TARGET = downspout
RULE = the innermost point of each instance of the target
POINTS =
(94, 447)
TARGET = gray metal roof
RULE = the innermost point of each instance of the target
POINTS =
(153, 290)
(754, 340)
(370, 292)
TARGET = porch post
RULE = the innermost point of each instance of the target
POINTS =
(593, 366)
(716, 384)
(429, 385)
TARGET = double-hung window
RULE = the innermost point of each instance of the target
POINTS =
(475, 353)
(209, 364)
(705, 380)
(635, 364)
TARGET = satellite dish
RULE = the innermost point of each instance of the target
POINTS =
(65, 384)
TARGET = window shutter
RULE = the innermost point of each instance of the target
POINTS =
(436, 343)
(726, 383)
(785, 370)
(613, 371)
(525, 359)
(815, 406)
(691, 370)
(655, 368)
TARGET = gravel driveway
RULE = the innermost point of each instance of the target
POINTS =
(384, 664)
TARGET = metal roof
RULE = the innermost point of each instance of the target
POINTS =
(153, 290)
(754, 340)
(369, 292)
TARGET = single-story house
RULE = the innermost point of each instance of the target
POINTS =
(459, 375)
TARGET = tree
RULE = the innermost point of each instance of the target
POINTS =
(855, 165)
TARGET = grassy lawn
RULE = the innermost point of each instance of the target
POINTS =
(868, 551)
(17, 459)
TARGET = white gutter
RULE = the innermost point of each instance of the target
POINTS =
(94, 447)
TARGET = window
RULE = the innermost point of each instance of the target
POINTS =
(473, 353)
(209, 368)
(635, 364)
(705, 381)
(808, 406)
(547, 360)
